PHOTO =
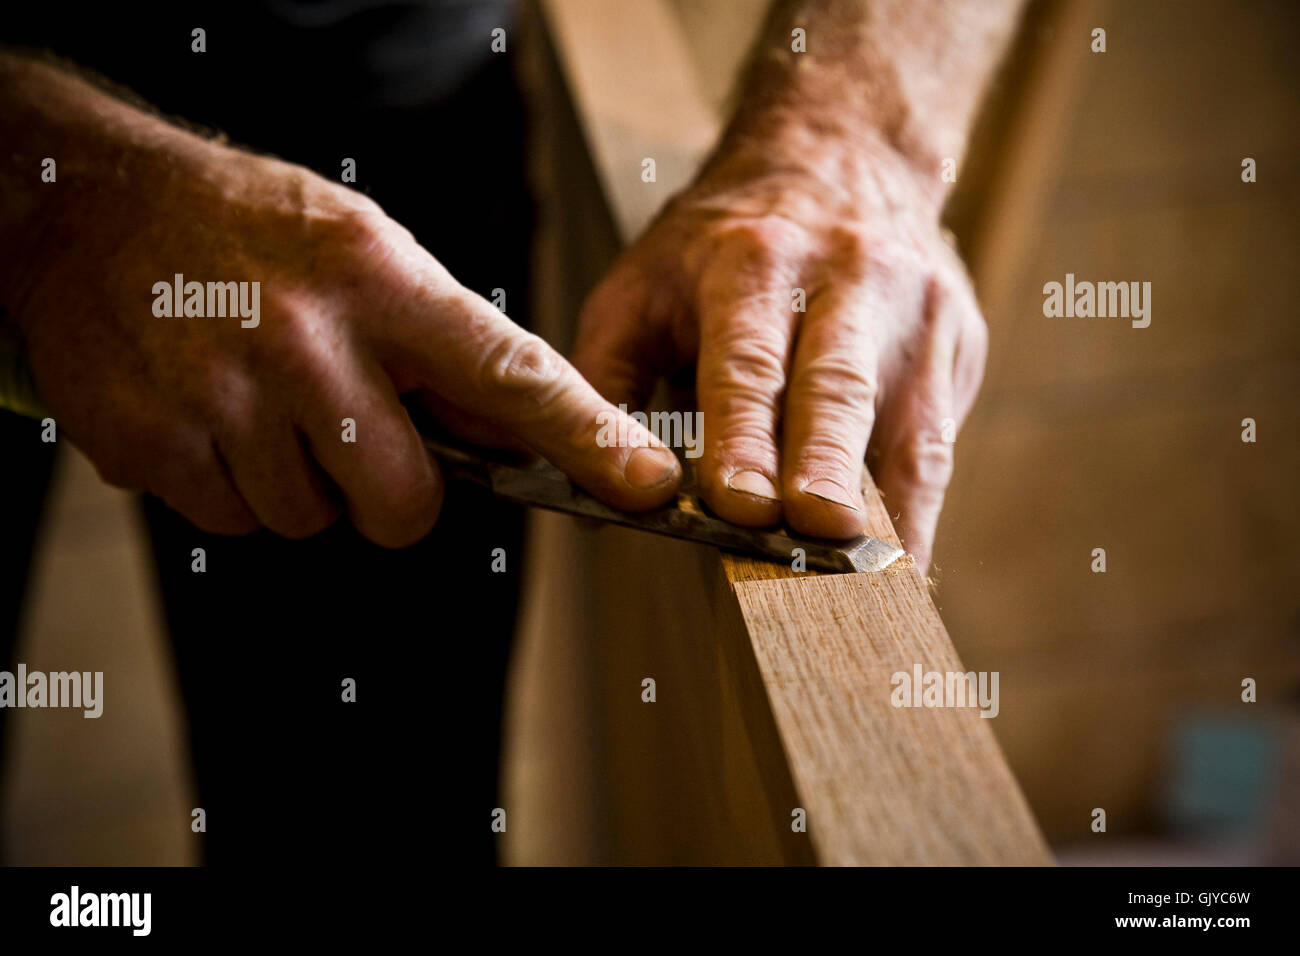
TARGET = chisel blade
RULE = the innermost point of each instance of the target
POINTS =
(541, 485)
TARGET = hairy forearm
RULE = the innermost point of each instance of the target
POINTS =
(100, 145)
(902, 75)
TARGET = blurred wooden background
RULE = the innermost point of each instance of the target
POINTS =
(1092, 434)
(117, 789)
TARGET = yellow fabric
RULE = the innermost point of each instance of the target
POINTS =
(17, 392)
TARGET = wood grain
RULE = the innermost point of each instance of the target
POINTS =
(773, 687)
(881, 785)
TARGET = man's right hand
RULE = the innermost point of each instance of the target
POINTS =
(241, 427)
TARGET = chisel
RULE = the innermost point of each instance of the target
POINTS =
(542, 485)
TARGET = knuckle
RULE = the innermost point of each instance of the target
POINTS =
(755, 357)
(304, 520)
(164, 449)
(827, 454)
(924, 460)
(360, 221)
(853, 242)
(747, 235)
(185, 472)
(198, 490)
(361, 243)
(226, 517)
(745, 441)
(837, 378)
(855, 252)
(752, 365)
(954, 313)
(521, 364)
(619, 293)
(297, 508)
(743, 429)
(228, 399)
(302, 354)
(761, 242)
(748, 305)
(595, 309)
(860, 254)
(409, 503)
(184, 461)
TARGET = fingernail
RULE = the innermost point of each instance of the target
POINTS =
(753, 483)
(650, 467)
(827, 490)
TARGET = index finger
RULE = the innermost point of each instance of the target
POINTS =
(456, 344)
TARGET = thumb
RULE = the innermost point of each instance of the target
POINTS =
(457, 345)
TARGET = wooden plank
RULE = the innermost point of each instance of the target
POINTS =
(636, 97)
(881, 785)
(885, 785)
(773, 686)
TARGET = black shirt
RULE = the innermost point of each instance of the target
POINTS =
(308, 59)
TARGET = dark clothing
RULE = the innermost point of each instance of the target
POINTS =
(266, 636)
(314, 60)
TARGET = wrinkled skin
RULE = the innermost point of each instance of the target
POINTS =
(239, 428)
(891, 344)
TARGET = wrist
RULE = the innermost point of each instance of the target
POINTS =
(856, 166)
